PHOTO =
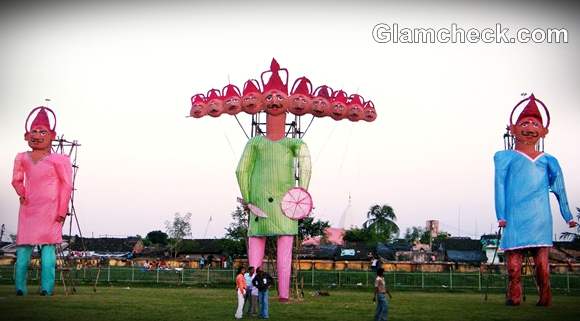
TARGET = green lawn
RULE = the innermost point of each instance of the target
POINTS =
(176, 304)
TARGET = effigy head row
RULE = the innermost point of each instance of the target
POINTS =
(272, 97)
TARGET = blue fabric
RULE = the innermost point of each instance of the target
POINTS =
(47, 263)
(23, 254)
(248, 298)
(263, 299)
(522, 187)
(48, 270)
(382, 308)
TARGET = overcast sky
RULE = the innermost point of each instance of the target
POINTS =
(120, 75)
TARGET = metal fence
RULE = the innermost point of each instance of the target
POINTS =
(569, 282)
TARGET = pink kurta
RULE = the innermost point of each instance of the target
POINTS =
(47, 186)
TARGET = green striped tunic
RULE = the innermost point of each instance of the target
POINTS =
(265, 173)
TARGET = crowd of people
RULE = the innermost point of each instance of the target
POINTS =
(252, 291)
(252, 285)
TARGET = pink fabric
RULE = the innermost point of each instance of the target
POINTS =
(256, 247)
(312, 241)
(284, 265)
(335, 235)
(47, 187)
(41, 119)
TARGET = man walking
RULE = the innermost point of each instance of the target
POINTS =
(381, 289)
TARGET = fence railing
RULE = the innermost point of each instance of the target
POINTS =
(568, 282)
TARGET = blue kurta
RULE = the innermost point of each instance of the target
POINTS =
(522, 199)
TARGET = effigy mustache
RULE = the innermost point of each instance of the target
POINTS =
(529, 133)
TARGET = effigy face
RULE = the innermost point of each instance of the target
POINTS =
(299, 104)
(198, 106)
(252, 103)
(215, 107)
(198, 110)
(320, 106)
(39, 137)
(233, 105)
(275, 101)
(369, 112)
(528, 130)
(338, 111)
(355, 112)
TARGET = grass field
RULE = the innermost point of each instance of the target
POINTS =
(176, 304)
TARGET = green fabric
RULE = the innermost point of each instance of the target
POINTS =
(266, 171)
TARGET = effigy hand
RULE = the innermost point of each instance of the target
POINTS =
(60, 219)
(572, 224)
(244, 204)
(502, 223)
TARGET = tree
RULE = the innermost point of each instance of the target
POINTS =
(573, 236)
(356, 234)
(157, 237)
(237, 231)
(381, 222)
(418, 234)
(308, 228)
(177, 231)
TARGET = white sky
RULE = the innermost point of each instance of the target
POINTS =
(120, 77)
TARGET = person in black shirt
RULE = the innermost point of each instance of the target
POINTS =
(262, 281)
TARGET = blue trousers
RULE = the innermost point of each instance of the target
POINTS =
(48, 268)
(263, 299)
(382, 308)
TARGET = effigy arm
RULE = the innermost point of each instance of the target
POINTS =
(245, 169)
(18, 176)
(63, 169)
(501, 168)
(557, 187)
(304, 166)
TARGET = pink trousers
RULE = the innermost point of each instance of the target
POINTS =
(256, 247)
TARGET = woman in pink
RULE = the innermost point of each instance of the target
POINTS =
(43, 182)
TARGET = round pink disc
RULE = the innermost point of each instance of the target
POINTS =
(296, 203)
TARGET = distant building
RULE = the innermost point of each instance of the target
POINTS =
(433, 227)
(464, 250)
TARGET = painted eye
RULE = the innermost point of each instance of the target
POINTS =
(269, 97)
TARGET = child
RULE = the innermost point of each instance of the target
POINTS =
(381, 289)
(43, 182)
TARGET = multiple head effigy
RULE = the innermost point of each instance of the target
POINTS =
(274, 191)
(302, 99)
